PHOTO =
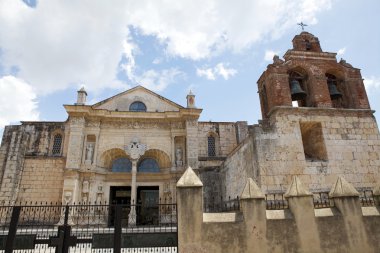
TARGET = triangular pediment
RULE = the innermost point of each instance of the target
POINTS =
(152, 101)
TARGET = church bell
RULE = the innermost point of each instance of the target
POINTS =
(296, 91)
(334, 93)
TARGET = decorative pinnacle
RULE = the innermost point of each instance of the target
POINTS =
(189, 179)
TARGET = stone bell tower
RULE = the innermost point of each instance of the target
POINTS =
(317, 121)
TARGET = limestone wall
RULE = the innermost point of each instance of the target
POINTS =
(346, 227)
(42, 180)
(227, 136)
(31, 139)
(318, 145)
(239, 165)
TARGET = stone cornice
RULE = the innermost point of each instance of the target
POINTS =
(307, 55)
(88, 111)
(314, 111)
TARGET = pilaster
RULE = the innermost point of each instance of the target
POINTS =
(75, 144)
(192, 143)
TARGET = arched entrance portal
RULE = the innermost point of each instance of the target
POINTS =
(141, 193)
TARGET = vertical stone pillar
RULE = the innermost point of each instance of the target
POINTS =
(192, 143)
(132, 213)
(346, 200)
(75, 144)
(253, 206)
(301, 205)
(135, 150)
(190, 212)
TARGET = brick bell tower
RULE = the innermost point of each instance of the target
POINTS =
(309, 77)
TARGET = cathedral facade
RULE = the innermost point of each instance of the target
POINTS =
(133, 147)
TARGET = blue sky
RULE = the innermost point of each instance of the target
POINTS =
(218, 49)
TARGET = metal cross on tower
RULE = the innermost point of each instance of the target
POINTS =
(302, 25)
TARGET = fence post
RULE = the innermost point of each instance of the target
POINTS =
(301, 205)
(190, 212)
(117, 229)
(12, 229)
(253, 207)
(346, 200)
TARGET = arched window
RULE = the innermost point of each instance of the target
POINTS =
(57, 144)
(137, 107)
(148, 165)
(211, 148)
(121, 165)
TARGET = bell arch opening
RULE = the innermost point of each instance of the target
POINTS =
(298, 87)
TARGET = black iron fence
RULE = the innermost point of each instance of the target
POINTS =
(221, 205)
(276, 201)
(366, 198)
(322, 200)
(87, 227)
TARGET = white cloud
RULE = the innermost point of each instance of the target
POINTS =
(62, 43)
(158, 80)
(59, 43)
(372, 83)
(269, 55)
(206, 72)
(17, 101)
(218, 70)
(193, 32)
(341, 51)
(151, 79)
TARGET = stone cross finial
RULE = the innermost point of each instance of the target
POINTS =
(135, 149)
(302, 25)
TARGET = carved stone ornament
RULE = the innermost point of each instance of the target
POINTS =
(67, 197)
(135, 149)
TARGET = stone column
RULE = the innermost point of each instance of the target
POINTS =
(253, 206)
(135, 150)
(346, 200)
(302, 207)
(190, 212)
(132, 214)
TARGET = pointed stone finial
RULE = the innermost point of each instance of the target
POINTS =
(376, 190)
(251, 191)
(81, 97)
(297, 189)
(189, 179)
(342, 188)
(190, 100)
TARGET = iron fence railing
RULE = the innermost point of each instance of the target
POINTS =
(322, 200)
(220, 205)
(86, 226)
(366, 198)
(276, 201)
